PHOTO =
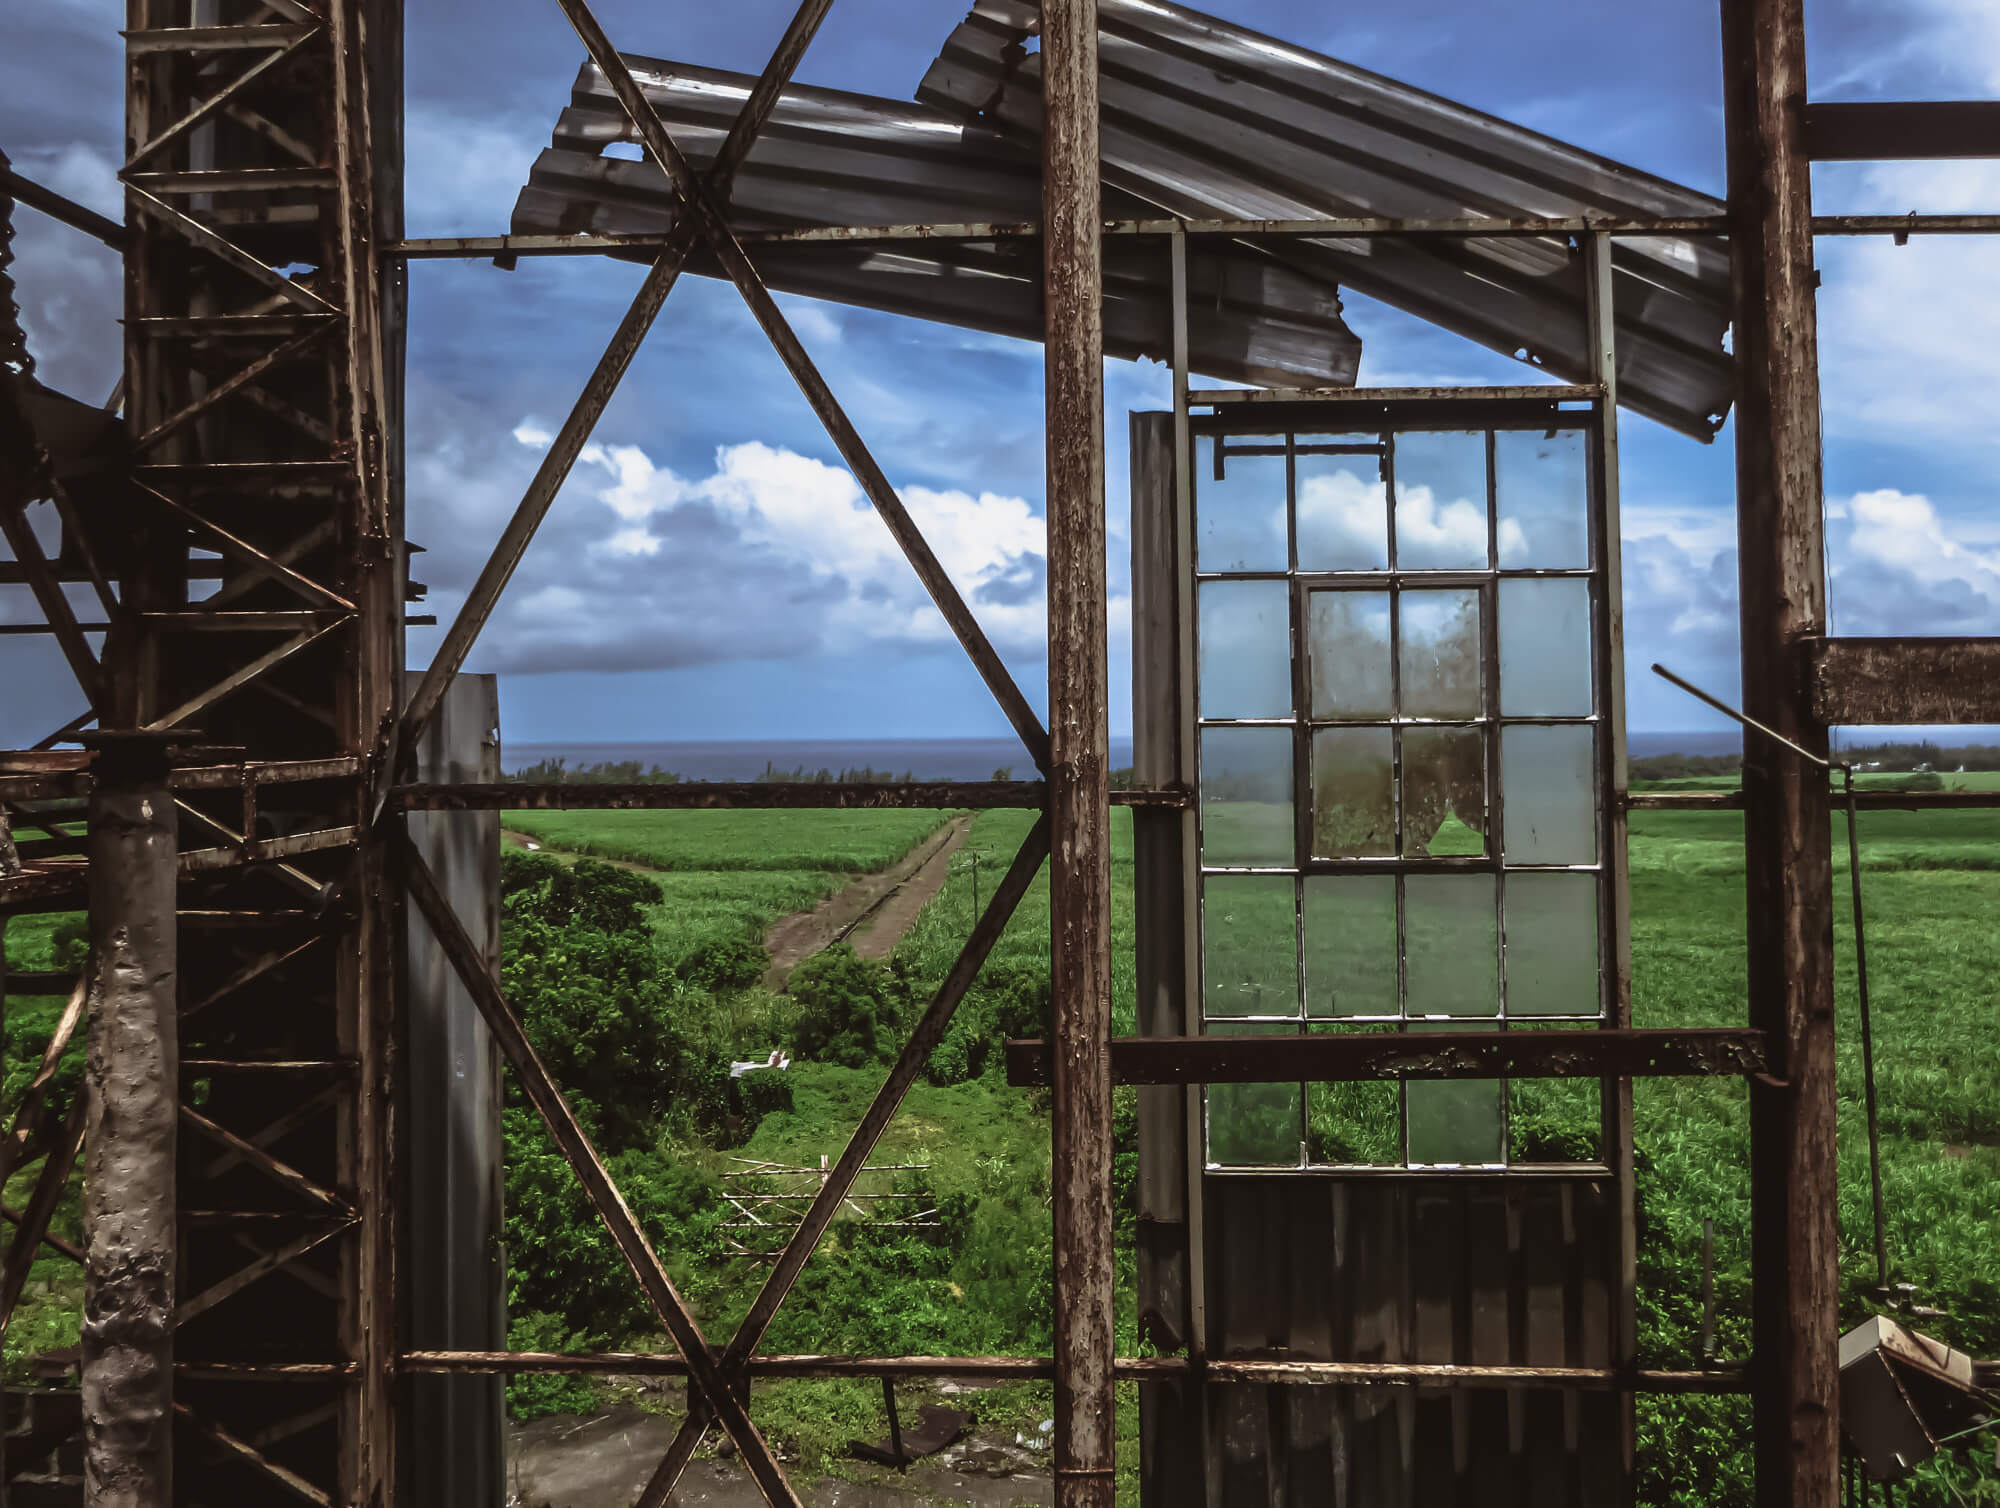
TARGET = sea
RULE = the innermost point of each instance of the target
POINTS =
(921, 758)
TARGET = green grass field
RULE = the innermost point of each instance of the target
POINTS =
(853, 842)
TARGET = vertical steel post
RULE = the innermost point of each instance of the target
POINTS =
(132, 1088)
(1786, 819)
(1079, 789)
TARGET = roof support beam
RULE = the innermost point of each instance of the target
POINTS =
(1900, 131)
(1889, 682)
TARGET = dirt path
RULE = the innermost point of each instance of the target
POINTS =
(873, 912)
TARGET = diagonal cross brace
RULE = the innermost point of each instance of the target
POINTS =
(697, 201)
(839, 1182)
(596, 395)
(705, 1378)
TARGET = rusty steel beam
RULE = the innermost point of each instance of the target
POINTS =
(534, 1080)
(52, 1241)
(700, 206)
(590, 796)
(1329, 1057)
(34, 1221)
(1079, 815)
(1795, 1257)
(837, 1184)
(1901, 130)
(60, 617)
(1886, 682)
(611, 367)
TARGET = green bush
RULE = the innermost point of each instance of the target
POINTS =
(530, 1395)
(70, 942)
(724, 965)
(847, 1010)
(538, 887)
(961, 1055)
(763, 1093)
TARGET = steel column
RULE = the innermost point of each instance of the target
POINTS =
(1787, 832)
(132, 1089)
(1080, 832)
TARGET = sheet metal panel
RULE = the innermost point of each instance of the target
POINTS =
(832, 158)
(1203, 119)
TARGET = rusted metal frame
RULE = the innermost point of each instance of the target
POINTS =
(1719, 1380)
(1079, 815)
(250, 120)
(293, 552)
(186, 415)
(469, 962)
(838, 1183)
(698, 204)
(64, 210)
(282, 1173)
(1902, 681)
(1585, 1052)
(583, 795)
(238, 181)
(259, 562)
(249, 1455)
(255, 969)
(62, 620)
(193, 231)
(1787, 821)
(300, 1114)
(244, 674)
(273, 1371)
(1575, 392)
(255, 1271)
(75, 533)
(34, 1221)
(1901, 131)
(224, 777)
(268, 850)
(196, 619)
(610, 371)
(50, 1239)
(196, 39)
(24, 1129)
(218, 100)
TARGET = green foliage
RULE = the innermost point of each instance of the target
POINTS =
(848, 1011)
(850, 842)
(538, 887)
(727, 963)
(533, 1394)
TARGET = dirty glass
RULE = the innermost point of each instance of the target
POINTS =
(1451, 945)
(1246, 649)
(1545, 651)
(1353, 793)
(1249, 945)
(1343, 510)
(1549, 775)
(1239, 519)
(1246, 797)
(1457, 1121)
(1350, 945)
(1347, 654)
(1444, 792)
(1542, 484)
(1441, 501)
(1438, 655)
(1552, 945)
(1254, 1125)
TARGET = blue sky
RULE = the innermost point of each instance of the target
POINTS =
(710, 571)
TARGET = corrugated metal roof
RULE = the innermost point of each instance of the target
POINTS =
(832, 158)
(1207, 120)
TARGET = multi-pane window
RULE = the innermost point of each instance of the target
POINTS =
(1401, 742)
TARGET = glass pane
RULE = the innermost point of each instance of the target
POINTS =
(1246, 797)
(1441, 501)
(1543, 489)
(1454, 1120)
(1451, 945)
(1350, 928)
(1552, 945)
(1438, 653)
(1353, 793)
(1354, 1123)
(1545, 648)
(1250, 946)
(1444, 792)
(1343, 511)
(1246, 649)
(1347, 646)
(1554, 1120)
(1548, 779)
(1254, 1125)
(1239, 520)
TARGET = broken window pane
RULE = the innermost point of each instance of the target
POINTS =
(1353, 793)
(1441, 501)
(1350, 936)
(1358, 1123)
(1444, 792)
(1249, 946)
(1552, 966)
(1451, 945)
(1543, 488)
(1239, 520)
(1438, 653)
(1549, 777)
(1554, 1120)
(1246, 797)
(1454, 1120)
(1347, 647)
(1545, 654)
(1246, 649)
(1254, 1125)
(1343, 511)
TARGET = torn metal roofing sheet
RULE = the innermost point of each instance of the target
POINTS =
(832, 158)
(1206, 120)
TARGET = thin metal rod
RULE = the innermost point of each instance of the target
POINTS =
(61, 619)
(1867, 1041)
(1741, 716)
(68, 211)
(895, 1424)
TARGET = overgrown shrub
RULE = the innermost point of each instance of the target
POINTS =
(530, 1395)
(726, 964)
(602, 897)
(847, 1010)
